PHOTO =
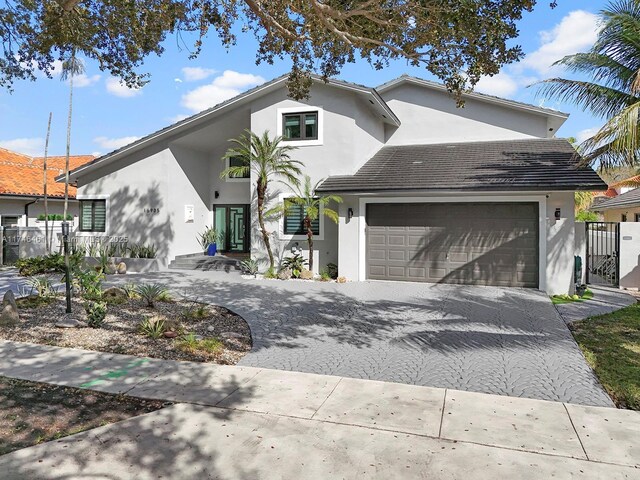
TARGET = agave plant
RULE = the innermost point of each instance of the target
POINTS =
(151, 292)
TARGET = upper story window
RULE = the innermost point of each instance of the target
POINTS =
(623, 217)
(238, 162)
(93, 215)
(300, 126)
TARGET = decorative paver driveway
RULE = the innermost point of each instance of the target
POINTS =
(486, 339)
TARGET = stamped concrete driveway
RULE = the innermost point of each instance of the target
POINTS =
(485, 339)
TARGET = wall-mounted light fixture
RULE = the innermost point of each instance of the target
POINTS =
(216, 194)
(557, 214)
(350, 213)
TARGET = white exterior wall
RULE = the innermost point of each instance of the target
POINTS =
(351, 134)
(430, 116)
(556, 243)
(630, 255)
(164, 178)
(15, 207)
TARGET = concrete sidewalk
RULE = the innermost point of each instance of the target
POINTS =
(243, 422)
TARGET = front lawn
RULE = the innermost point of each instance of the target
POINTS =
(33, 412)
(611, 345)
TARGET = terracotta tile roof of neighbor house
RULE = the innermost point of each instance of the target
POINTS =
(22, 175)
(504, 165)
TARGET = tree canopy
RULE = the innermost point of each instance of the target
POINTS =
(458, 41)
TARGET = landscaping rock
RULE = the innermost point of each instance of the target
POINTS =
(114, 293)
(224, 335)
(170, 334)
(110, 268)
(285, 274)
(70, 323)
(342, 280)
(306, 274)
(9, 315)
(121, 269)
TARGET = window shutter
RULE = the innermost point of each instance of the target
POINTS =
(293, 221)
(99, 216)
(85, 215)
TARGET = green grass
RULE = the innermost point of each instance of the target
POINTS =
(560, 299)
(207, 346)
(611, 345)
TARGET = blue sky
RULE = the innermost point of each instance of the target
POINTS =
(108, 115)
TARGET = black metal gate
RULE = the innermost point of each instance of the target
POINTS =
(603, 253)
(10, 245)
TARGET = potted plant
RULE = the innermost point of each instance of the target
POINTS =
(209, 240)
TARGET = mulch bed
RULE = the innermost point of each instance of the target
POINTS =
(120, 334)
(33, 412)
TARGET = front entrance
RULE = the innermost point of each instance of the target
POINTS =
(232, 222)
(603, 253)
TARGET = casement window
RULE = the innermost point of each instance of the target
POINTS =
(637, 217)
(300, 126)
(93, 215)
(294, 220)
(237, 162)
(623, 217)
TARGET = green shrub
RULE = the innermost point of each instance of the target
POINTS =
(271, 273)
(42, 286)
(190, 343)
(96, 313)
(90, 283)
(142, 251)
(151, 292)
(332, 270)
(249, 267)
(152, 327)
(54, 216)
(296, 264)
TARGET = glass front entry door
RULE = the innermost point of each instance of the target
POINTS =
(231, 222)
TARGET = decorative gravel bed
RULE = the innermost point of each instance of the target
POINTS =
(120, 332)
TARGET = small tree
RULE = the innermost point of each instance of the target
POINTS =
(268, 160)
(47, 245)
(313, 206)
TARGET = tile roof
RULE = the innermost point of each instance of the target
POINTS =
(507, 165)
(22, 175)
(628, 199)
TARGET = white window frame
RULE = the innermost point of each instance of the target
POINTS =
(107, 205)
(301, 109)
(234, 179)
(283, 236)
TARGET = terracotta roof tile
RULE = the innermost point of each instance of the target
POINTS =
(22, 175)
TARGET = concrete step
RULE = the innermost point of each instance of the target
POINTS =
(204, 262)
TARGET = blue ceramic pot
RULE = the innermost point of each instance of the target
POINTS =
(212, 249)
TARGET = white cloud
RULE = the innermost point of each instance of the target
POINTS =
(222, 88)
(576, 32)
(193, 74)
(96, 154)
(582, 135)
(83, 80)
(177, 80)
(114, 143)
(119, 89)
(500, 85)
(29, 146)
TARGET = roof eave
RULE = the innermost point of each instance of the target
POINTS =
(532, 188)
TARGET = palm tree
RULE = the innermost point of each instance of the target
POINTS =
(47, 245)
(71, 67)
(613, 65)
(313, 206)
(267, 159)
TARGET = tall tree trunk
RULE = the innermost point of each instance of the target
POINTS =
(47, 244)
(66, 160)
(307, 224)
(262, 189)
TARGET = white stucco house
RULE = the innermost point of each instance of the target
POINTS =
(480, 195)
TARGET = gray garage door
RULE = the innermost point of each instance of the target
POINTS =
(470, 243)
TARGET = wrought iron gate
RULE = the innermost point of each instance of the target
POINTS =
(603, 253)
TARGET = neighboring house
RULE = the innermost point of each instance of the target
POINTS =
(22, 191)
(622, 208)
(22, 202)
(480, 195)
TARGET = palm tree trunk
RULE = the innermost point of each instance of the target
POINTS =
(66, 160)
(47, 244)
(307, 224)
(261, 189)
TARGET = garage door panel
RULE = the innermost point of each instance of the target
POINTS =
(476, 243)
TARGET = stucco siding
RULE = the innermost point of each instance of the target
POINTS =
(560, 243)
(615, 215)
(430, 116)
(15, 207)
